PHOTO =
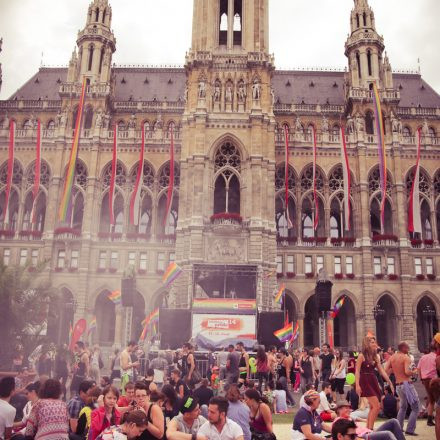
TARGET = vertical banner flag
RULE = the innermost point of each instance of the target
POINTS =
(92, 325)
(295, 333)
(381, 151)
(170, 192)
(414, 217)
(172, 272)
(36, 186)
(111, 194)
(279, 296)
(315, 224)
(68, 183)
(347, 179)
(10, 171)
(135, 200)
(78, 330)
(286, 176)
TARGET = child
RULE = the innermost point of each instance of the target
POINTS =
(279, 400)
(389, 404)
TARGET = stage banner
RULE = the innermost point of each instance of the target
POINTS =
(242, 306)
(213, 331)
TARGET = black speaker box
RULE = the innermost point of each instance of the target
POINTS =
(323, 291)
(268, 322)
(174, 327)
(128, 287)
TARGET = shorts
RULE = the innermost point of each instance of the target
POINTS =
(338, 385)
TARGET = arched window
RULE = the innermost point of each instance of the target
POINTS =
(374, 181)
(91, 49)
(106, 317)
(431, 133)
(17, 173)
(364, 15)
(223, 23)
(145, 215)
(78, 209)
(27, 125)
(227, 164)
(358, 23)
(120, 178)
(36, 223)
(44, 175)
(101, 59)
(237, 27)
(9, 223)
(336, 130)
(285, 220)
(103, 15)
(358, 62)
(369, 122)
(118, 212)
(406, 131)
(370, 71)
(97, 16)
(74, 116)
(51, 125)
(81, 174)
(375, 216)
(167, 227)
(308, 215)
(306, 179)
(88, 118)
(338, 228)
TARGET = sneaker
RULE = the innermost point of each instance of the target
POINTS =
(430, 423)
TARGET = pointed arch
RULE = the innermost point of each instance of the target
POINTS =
(163, 175)
(426, 320)
(345, 332)
(45, 174)
(282, 223)
(119, 213)
(121, 174)
(308, 213)
(148, 174)
(105, 318)
(17, 176)
(280, 177)
(14, 203)
(167, 227)
(306, 178)
(386, 320)
(88, 118)
(228, 138)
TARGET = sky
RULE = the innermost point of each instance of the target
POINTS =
(303, 34)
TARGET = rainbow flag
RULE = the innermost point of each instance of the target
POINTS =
(337, 307)
(279, 296)
(68, 183)
(381, 150)
(285, 334)
(270, 274)
(115, 296)
(153, 320)
(295, 333)
(172, 272)
(92, 325)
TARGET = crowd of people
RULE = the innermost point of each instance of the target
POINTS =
(235, 400)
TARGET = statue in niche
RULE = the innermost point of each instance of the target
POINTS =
(256, 90)
(241, 92)
(396, 125)
(106, 120)
(98, 122)
(325, 126)
(63, 117)
(132, 121)
(298, 125)
(350, 124)
(425, 129)
(228, 92)
(217, 90)
(5, 121)
(202, 88)
(359, 123)
(272, 95)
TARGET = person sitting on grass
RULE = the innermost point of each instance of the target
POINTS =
(344, 429)
(307, 423)
(353, 397)
(389, 405)
(279, 399)
(390, 430)
(324, 410)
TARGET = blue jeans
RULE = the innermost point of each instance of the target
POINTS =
(411, 427)
(390, 430)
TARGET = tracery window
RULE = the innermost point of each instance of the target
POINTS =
(285, 220)
(406, 131)
(308, 215)
(81, 174)
(424, 182)
(164, 175)
(44, 175)
(17, 176)
(51, 125)
(227, 155)
(148, 175)
(336, 180)
(374, 182)
(307, 179)
(279, 178)
(120, 178)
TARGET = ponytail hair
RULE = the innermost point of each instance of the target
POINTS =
(255, 395)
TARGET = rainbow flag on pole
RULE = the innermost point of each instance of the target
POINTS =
(115, 297)
(153, 320)
(279, 296)
(172, 272)
(337, 307)
(285, 334)
(92, 325)
(295, 333)
(68, 183)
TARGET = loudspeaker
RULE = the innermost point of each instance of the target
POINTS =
(174, 327)
(323, 291)
(268, 322)
(128, 287)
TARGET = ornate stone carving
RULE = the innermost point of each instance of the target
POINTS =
(226, 250)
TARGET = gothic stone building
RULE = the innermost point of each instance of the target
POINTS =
(227, 229)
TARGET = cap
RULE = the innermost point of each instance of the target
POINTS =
(311, 394)
(342, 404)
(188, 404)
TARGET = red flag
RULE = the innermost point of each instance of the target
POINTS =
(135, 200)
(78, 330)
(171, 182)
(347, 179)
(10, 171)
(111, 194)
(286, 176)
(36, 186)
(414, 217)
(315, 224)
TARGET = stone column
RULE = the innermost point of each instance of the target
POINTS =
(301, 330)
(230, 24)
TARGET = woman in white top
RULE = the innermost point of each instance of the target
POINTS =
(31, 390)
(94, 364)
(338, 375)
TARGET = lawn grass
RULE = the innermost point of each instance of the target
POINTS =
(283, 419)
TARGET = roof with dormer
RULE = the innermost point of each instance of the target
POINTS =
(290, 86)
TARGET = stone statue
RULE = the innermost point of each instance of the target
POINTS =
(425, 128)
(6, 122)
(228, 93)
(394, 123)
(324, 124)
(98, 122)
(217, 91)
(256, 90)
(350, 124)
(359, 123)
(272, 95)
(298, 125)
(106, 120)
(158, 123)
(241, 92)
(202, 88)
(63, 117)
(185, 95)
(132, 121)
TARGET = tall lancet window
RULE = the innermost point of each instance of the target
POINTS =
(223, 23)
(238, 15)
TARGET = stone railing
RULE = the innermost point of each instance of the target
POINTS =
(418, 111)
(366, 94)
(95, 31)
(34, 104)
(74, 89)
(308, 108)
(163, 106)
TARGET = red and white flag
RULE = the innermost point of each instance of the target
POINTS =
(286, 176)
(315, 198)
(36, 186)
(170, 192)
(111, 193)
(10, 171)
(135, 200)
(414, 217)
(347, 179)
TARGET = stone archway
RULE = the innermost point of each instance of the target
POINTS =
(386, 322)
(345, 334)
(289, 307)
(426, 321)
(311, 323)
(138, 316)
(105, 319)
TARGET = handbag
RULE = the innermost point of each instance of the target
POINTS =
(262, 435)
(196, 377)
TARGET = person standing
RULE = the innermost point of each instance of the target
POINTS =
(81, 367)
(243, 364)
(262, 367)
(222, 357)
(219, 426)
(400, 365)
(366, 380)
(115, 365)
(326, 362)
(127, 365)
(273, 362)
(306, 369)
(284, 372)
(338, 375)
(316, 365)
(427, 372)
(7, 411)
(232, 366)
(188, 364)
(95, 362)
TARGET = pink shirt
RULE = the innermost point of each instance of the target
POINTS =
(427, 366)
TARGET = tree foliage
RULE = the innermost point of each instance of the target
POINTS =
(25, 299)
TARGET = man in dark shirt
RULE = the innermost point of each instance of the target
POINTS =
(326, 362)
(203, 395)
(232, 369)
(179, 385)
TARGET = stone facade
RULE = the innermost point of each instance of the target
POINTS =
(228, 108)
